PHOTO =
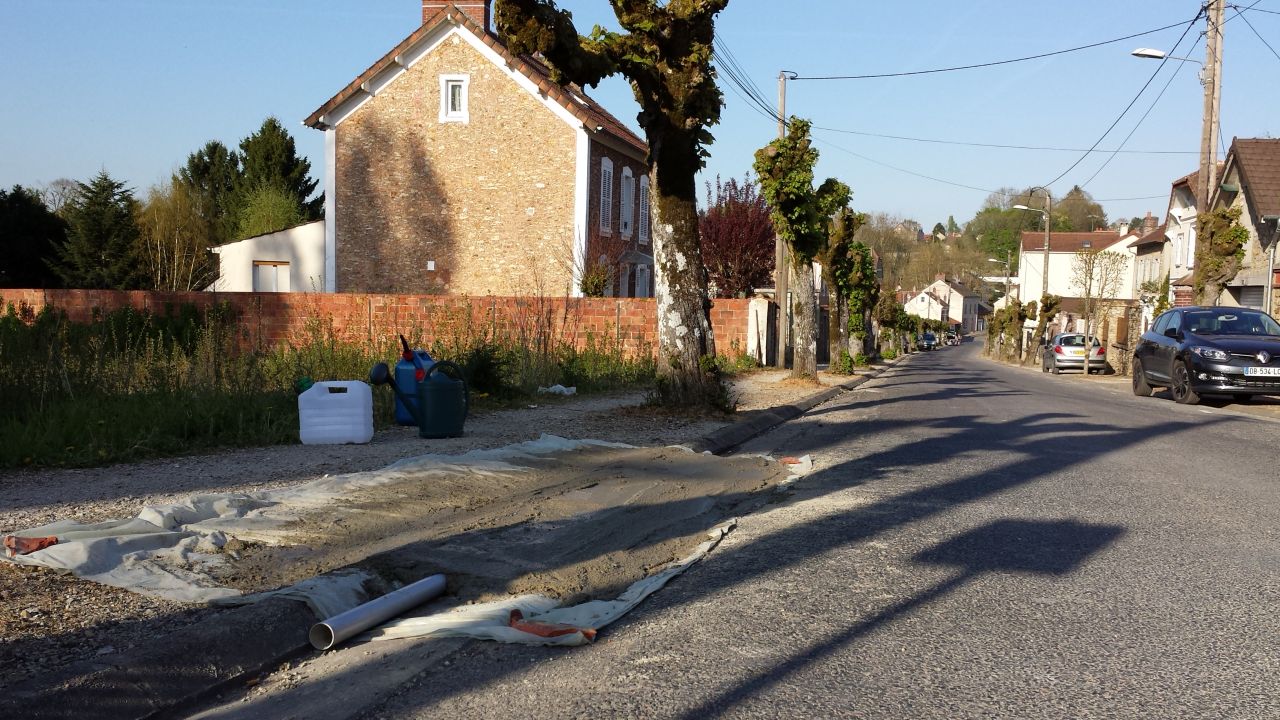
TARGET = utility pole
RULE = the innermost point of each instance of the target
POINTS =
(782, 268)
(1212, 98)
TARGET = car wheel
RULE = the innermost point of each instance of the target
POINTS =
(1181, 387)
(1140, 386)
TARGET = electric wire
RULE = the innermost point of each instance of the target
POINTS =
(999, 145)
(1138, 124)
(1128, 107)
(1255, 31)
(997, 62)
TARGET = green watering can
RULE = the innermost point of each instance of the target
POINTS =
(443, 401)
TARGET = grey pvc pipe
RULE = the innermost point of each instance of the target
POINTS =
(325, 635)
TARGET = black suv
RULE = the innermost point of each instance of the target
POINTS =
(1209, 350)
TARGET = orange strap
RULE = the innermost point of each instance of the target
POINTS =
(14, 545)
(546, 629)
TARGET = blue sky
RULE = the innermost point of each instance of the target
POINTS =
(134, 86)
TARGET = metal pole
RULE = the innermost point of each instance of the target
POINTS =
(1008, 257)
(781, 268)
(1048, 219)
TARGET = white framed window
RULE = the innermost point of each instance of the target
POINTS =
(270, 276)
(453, 98)
(606, 196)
(628, 192)
(644, 209)
(642, 281)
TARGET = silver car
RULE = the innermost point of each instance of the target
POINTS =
(1066, 351)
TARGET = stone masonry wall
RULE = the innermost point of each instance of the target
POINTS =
(271, 318)
(490, 201)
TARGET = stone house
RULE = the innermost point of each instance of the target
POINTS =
(1250, 180)
(453, 166)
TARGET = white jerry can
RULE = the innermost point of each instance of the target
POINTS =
(336, 412)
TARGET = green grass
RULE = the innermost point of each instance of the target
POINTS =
(132, 385)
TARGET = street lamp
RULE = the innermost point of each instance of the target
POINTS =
(1047, 213)
(1151, 54)
(1008, 256)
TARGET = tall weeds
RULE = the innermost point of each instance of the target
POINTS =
(131, 384)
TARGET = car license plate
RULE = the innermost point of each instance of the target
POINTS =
(1077, 352)
(1262, 371)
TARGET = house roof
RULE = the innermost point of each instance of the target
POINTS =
(1155, 237)
(1063, 242)
(1259, 162)
(571, 98)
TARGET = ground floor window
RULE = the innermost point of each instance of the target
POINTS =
(270, 276)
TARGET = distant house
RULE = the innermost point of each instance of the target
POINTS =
(1250, 180)
(1150, 267)
(286, 261)
(1180, 228)
(1063, 247)
(962, 302)
(457, 167)
(926, 305)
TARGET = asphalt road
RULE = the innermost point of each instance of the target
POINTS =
(976, 541)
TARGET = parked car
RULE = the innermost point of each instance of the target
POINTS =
(951, 338)
(1066, 351)
(928, 341)
(1209, 350)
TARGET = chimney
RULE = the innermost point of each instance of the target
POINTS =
(940, 276)
(478, 10)
(1149, 223)
(1124, 228)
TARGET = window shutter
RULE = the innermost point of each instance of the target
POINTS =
(628, 189)
(606, 195)
(642, 281)
(644, 209)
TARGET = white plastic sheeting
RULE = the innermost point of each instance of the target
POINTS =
(490, 621)
(166, 550)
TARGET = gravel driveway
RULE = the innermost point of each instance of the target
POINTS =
(49, 620)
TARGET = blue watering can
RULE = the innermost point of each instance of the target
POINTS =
(442, 401)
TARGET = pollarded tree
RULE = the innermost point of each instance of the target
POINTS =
(737, 237)
(101, 250)
(850, 271)
(665, 53)
(802, 217)
(30, 234)
(1220, 240)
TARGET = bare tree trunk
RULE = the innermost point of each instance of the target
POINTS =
(680, 289)
(805, 306)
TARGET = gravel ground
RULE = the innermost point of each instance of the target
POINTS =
(48, 620)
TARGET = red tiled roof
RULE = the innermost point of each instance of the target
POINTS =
(1259, 162)
(1071, 241)
(1155, 237)
(571, 98)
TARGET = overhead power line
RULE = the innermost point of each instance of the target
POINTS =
(995, 63)
(999, 145)
(1255, 30)
(1132, 102)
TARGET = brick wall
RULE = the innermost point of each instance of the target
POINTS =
(271, 318)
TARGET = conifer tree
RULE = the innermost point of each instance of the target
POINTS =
(101, 249)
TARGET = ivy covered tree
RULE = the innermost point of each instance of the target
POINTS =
(665, 53)
(1043, 312)
(101, 249)
(737, 237)
(850, 271)
(802, 217)
(268, 158)
(30, 234)
(1220, 240)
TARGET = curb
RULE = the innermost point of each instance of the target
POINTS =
(232, 645)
